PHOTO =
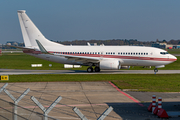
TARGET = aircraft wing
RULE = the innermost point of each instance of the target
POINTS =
(82, 59)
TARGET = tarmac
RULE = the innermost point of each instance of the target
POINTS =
(18, 72)
(91, 98)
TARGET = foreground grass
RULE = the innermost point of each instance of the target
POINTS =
(141, 82)
(174, 51)
(24, 61)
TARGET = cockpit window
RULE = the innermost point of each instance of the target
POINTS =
(164, 53)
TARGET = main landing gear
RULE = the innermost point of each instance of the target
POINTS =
(90, 69)
(97, 69)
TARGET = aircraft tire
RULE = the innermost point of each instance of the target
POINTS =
(89, 69)
(97, 69)
(155, 70)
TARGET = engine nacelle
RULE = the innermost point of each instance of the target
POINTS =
(109, 64)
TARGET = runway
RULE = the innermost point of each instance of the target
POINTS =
(20, 72)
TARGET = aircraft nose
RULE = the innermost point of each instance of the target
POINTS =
(173, 58)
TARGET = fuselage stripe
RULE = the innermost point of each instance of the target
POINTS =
(119, 57)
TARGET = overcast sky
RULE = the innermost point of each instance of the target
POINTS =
(144, 20)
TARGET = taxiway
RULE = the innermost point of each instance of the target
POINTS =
(19, 72)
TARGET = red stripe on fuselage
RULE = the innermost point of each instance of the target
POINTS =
(120, 57)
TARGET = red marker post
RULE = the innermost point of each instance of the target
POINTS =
(159, 103)
(153, 103)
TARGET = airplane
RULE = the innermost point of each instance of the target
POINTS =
(99, 57)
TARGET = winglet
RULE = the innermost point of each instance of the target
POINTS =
(43, 50)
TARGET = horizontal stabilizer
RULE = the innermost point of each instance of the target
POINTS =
(23, 48)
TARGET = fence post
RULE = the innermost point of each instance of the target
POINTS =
(78, 112)
(105, 113)
(16, 100)
(3, 87)
(46, 111)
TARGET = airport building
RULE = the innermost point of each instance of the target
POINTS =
(165, 46)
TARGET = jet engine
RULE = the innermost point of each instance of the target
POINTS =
(110, 64)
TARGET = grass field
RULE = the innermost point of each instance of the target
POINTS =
(174, 51)
(141, 82)
(24, 61)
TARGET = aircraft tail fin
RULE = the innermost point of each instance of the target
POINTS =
(31, 33)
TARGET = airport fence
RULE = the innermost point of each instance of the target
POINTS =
(7, 112)
(25, 106)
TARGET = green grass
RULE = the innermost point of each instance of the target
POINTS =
(24, 61)
(174, 51)
(141, 82)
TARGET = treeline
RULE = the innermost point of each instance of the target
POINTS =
(131, 42)
(118, 42)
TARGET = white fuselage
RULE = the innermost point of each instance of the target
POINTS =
(127, 55)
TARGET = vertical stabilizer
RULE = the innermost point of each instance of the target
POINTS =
(24, 33)
(31, 33)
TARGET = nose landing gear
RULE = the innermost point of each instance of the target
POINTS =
(155, 70)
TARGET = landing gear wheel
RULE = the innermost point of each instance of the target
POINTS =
(155, 70)
(89, 69)
(97, 69)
